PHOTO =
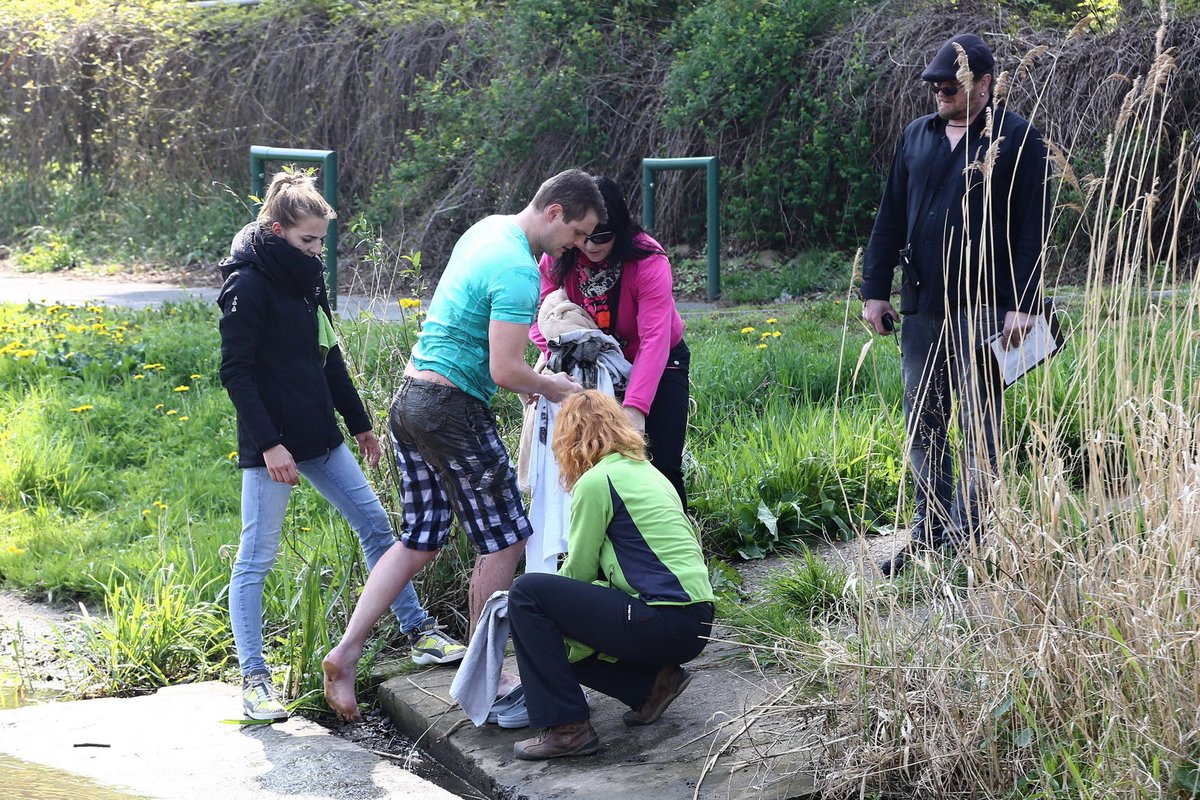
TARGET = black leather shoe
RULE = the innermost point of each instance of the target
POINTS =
(891, 567)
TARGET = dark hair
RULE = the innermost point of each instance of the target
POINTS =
(620, 223)
(575, 191)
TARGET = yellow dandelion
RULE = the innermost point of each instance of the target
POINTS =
(157, 406)
(410, 302)
(748, 329)
(171, 412)
(762, 346)
(139, 377)
(233, 454)
(182, 388)
(95, 309)
(54, 309)
(159, 504)
(772, 321)
(183, 418)
(765, 335)
(25, 353)
(82, 408)
(777, 334)
(60, 336)
(305, 528)
(14, 550)
(196, 376)
(145, 512)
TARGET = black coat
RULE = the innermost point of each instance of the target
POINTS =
(271, 364)
(972, 241)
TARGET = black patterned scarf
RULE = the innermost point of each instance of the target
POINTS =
(596, 282)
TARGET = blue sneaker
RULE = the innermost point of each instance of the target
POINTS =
(504, 704)
(515, 716)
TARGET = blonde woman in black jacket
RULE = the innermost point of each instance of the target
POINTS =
(284, 372)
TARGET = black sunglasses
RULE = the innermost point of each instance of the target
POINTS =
(603, 237)
(949, 91)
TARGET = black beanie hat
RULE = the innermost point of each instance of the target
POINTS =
(944, 66)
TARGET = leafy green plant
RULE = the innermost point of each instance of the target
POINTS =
(153, 633)
(811, 587)
(795, 152)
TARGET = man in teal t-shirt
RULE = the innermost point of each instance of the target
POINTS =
(451, 459)
(491, 276)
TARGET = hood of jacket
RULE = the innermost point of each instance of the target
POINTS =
(256, 248)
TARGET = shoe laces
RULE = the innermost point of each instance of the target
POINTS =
(260, 688)
(259, 680)
(435, 633)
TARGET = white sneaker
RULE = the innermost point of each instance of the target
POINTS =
(258, 698)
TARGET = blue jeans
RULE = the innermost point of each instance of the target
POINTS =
(340, 480)
(941, 357)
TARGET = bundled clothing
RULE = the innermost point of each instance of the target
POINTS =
(594, 360)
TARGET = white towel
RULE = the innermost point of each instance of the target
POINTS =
(549, 503)
(474, 685)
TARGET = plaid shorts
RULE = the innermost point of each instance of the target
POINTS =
(451, 457)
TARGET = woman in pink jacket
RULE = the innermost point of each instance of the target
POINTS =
(623, 279)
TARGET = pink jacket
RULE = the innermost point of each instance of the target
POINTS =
(646, 319)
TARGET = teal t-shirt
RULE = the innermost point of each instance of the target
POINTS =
(491, 275)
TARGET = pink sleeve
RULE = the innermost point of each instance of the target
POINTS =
(535, 335)
(653, 297)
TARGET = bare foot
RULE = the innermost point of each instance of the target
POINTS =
(339, 672)
(507, 683)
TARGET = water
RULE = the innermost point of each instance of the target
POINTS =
(15, 693)
(20, 780)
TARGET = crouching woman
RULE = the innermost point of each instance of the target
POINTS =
(632, 601)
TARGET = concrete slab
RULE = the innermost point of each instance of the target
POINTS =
(721, 740)
(172, 745)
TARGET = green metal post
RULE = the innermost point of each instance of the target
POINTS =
(260, 155)
(711, 166)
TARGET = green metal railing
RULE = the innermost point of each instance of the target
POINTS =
(712, 167)
(260, 155)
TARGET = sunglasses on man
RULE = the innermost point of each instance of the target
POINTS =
(948, 89)
(603, 237)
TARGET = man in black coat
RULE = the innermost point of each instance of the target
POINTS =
(964, 215)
